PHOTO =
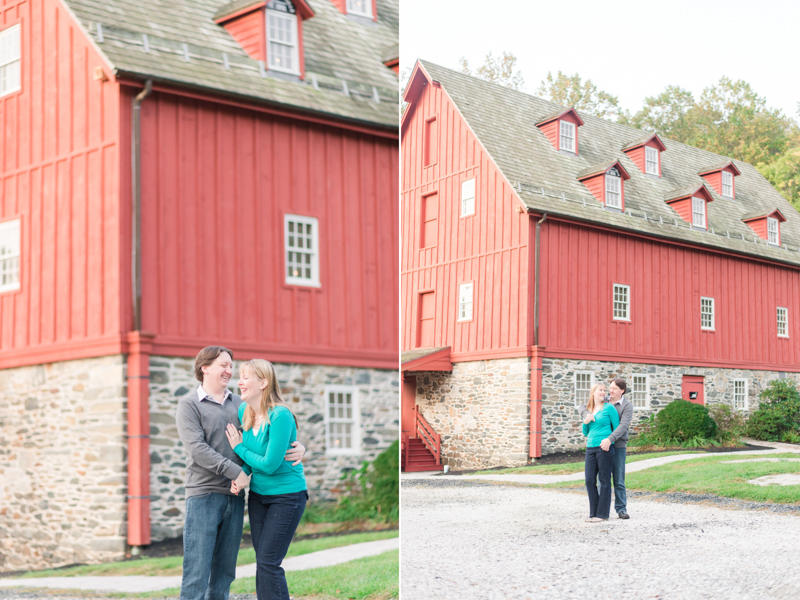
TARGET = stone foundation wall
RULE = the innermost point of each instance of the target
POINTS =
(303, 387)
(63, 470)
(560, 419)
(481, 410)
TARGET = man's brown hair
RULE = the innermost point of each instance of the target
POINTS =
(205, 357)
(621, 384)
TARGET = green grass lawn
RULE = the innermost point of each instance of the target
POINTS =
(172, 565)
(569, 468)
(709, 475)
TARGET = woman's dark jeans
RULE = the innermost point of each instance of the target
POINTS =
(273, 521)
(599, 462)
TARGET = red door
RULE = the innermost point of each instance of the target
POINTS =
(408, 405)
(693, 389)
(427, 311)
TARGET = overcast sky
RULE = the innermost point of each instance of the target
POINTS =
(631, 49)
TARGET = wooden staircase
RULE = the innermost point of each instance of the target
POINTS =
(424, 451)
(420, 458)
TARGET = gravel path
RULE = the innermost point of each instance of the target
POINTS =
(473, 540)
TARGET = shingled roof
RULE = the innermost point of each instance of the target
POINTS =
(504, 121)
(345, 74)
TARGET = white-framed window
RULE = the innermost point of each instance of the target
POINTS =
(699, 212)
(342, 420)
(706, 313)
(584, 380)
(10, 58)
(651, 160)
(468, 197)
(640, 391)
(613, 191)
(727, 184)
(772, 231)
(9, 255)
(783, 322)
(567, 136)
(622, 302)
(282, 42)
(465, 301)
(740, 394)
(362, 8)
(302, 250)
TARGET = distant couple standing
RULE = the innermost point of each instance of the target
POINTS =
(606, 419)
(220, 458)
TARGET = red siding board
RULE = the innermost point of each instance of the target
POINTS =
(249, 31)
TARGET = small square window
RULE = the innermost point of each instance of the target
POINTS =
(9, 255)
(651, 160)
(640, 396)
(362, 8)
(740, 394)
(613, 191)
(465, 301)
(567, 136)
(622, 302)
(783, 322)
(302, 250)
(772, 231)
(584, 380)
(10, 58)
(699, 212)
(282, 42)
(707, 313)
(342, 430)
(468, 197)
(727, 184)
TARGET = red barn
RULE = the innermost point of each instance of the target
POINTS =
(174, 175)
(545, 249)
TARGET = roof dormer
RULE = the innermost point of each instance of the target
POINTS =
(646, 154)
(767, 225)
(269, 31)
(691, 203)
(606, 182)
(361, 9)
(720, 177)
(561, 128)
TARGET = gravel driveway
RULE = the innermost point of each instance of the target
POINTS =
(474, 540)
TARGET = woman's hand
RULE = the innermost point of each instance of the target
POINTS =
(589, 418)
(234, 435)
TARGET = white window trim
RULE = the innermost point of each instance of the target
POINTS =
(355, 432)
(314, 281)
(465, 189)
(647, 161)
(294, 46)
(705, 224)
(771, 221)
(570, 125)
(461, 300)
(777, 316)
(618, 192)
(575, 385)
(646, 391)
(10, 31)
(723, 184)
(367, 6)
(733, 385)
(10, 226)
(713, 315)
(627, 288)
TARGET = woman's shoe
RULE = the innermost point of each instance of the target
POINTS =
(595, 520)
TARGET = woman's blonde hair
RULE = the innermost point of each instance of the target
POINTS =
(590, 403)
(270, 395)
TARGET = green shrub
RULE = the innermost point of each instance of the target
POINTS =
(374, 489)
(777, 419)
(683, 421)
(730, 422)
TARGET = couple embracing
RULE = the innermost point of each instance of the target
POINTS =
(606, 419)
(231, 441)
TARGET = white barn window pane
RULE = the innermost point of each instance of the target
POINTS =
(707, 313)
(772, 231)
(302, 254)
(567, 136)
(9, 255)
(468, 197)
(740, 394)
(783, 322)
(583, 384)
(613, 191)
(10, 56)
(465, 301)
(622, 302)
(727, 184)
(360, 7)
(341, 420)
(639, 395)
(699, 212)
(282, 42)
(651, 160)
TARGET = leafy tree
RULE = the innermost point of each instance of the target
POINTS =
(497, 70)
(570, 90)
(784, 174)
(666, 114)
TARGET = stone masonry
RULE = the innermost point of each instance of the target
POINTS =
(63, 472)
(481, 410)
(303, 387)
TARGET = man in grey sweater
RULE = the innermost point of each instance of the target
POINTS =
(618, 437)
(212, 529)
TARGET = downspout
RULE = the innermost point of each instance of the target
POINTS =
(139, 350)
(535, 442)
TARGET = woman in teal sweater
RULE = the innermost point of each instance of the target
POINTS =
(596, 427)
(278, 491)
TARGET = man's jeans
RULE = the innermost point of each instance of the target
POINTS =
(618, 472)
(273, 521)
(212, 533)
(598, 464)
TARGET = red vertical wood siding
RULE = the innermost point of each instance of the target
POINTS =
(683, 208)
(579, 265)
(551, 131)
(715, 180)
(59, 173)
(760, 227)
(216, 184)
(250, 31)
(489, 247)
(596, 186)
(638, 156)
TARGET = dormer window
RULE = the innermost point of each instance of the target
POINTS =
(613, 189)
(772, 231)
(606, 182)
(645, 152)
(651, 160)
(721, 178)
(699, 213)
(691, 203)
(561, 128)
(767, 224)
(567, 141)
(362, 8)
(282, 41)
(727, 184)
